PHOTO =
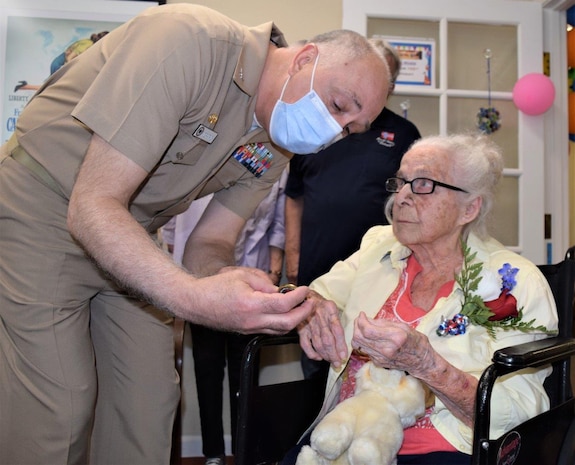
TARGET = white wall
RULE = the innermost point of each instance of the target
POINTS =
(298, 19)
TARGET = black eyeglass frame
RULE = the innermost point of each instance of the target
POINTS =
(433, 181)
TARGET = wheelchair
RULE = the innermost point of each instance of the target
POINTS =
(272, 418)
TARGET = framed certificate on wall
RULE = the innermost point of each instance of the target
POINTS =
(417, 60)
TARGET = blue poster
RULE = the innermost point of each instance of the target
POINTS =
(35, 48)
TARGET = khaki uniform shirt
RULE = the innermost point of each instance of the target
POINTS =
(154, 88)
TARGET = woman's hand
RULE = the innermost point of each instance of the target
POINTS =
(321, 334)
(392, 344)
(396, 345)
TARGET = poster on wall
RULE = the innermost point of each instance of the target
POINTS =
(35, 43)
(417, 60)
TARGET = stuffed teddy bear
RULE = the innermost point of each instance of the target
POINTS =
(367, 428)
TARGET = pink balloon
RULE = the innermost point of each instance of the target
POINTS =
(533, 94)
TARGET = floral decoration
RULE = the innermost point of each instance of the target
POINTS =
(488, 120)
(493, 306)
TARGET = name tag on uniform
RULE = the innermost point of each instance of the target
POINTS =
(204, 133)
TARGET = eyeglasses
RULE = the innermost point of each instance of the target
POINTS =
(418, 185)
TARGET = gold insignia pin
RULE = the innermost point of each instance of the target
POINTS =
(213, 119)
(285, 288)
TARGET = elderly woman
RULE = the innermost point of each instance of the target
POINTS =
(396, 301)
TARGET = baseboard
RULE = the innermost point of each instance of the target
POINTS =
(192, 445)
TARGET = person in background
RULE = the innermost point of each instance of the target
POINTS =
(165, 108)
(340, 193)
(407, 300)
(260, 245)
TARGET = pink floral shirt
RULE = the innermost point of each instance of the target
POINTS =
(422, 437)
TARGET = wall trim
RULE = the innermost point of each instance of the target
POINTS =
(559, 5)
(192, 445)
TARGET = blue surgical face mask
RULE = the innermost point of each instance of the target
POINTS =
(305, 126)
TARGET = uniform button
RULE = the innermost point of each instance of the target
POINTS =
(180, 156)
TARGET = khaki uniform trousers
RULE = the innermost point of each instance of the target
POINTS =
(86, 374)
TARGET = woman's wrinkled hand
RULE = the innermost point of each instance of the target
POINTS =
(321, 333)
(392, 344)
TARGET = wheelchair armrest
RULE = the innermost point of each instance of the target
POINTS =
(254, 347)
(508, 360)
(533, 354)
(272, 417)
(268, 340)
(249, 368)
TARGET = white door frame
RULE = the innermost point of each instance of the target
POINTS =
(533, 145)
(557, 201)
